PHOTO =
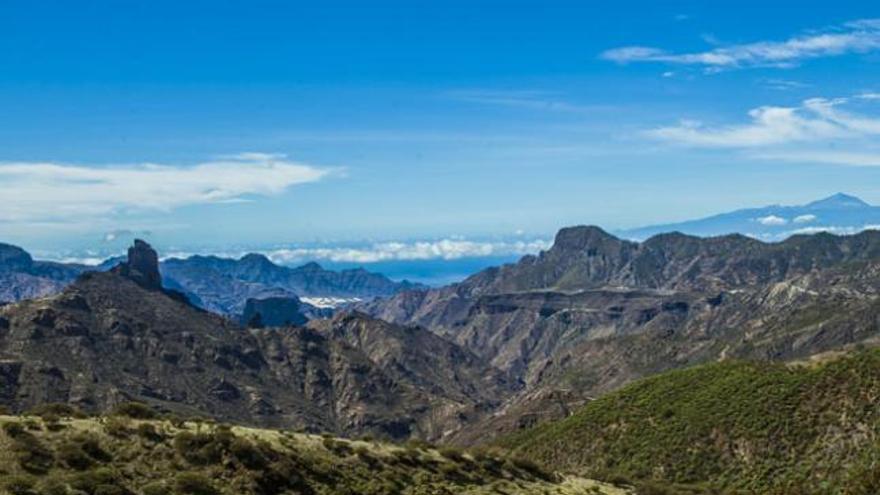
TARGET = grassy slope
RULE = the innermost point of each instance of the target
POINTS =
(732, 426)
(119, 455)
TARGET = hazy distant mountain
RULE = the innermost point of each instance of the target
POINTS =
(221, 285)
(21, 277)
(839, 214)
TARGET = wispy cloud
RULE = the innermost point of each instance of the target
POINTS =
(861, 36)
(815, 119)
(526, 99)
(56, 192)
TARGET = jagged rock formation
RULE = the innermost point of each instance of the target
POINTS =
(142, 266)
(113, 336)
(595, 312)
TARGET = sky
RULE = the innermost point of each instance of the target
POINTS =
(371, 132)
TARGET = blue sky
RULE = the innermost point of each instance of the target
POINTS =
(381, 131)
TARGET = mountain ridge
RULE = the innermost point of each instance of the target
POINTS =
(839, 213)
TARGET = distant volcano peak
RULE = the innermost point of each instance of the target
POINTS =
(839, 200)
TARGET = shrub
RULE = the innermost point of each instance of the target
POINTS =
(135, 410)
(33, 456)
(148, 431)
(155, 488)
(532, 468)
(119, 427)
(453, 454)
(194, 484)
(201, 448)
(58, 409)
(248, 454)
(102, 480)
(72, 456)
(13, 429)
(19, 485)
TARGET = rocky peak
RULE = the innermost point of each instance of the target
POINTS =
(583, 237)
(142, 266)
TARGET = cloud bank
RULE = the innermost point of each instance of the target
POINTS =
(445, 249)
(54, 192)
(861, 36)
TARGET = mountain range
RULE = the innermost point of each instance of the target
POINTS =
(221, 285)
(564, 356)
(117, 336)
(839, 214)
(595, 312)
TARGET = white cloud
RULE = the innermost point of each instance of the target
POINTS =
(805, 218)
(771, 220)
(816, 119)
(861, 36)
(53, 192)
(446, 249)
(834, 157)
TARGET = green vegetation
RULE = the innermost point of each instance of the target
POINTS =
(727, 428)
(126, 454)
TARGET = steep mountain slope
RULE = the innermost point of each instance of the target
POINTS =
(759, 428)
(119, 455)
(117, 336)
(223, 285)
(595, 312)
(840, 213)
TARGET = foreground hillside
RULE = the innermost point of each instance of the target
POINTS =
(733, 426)
(121, 455)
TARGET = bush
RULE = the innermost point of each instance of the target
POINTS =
(135, 410)
(156, 488)
(203, 448)
(119, 427)
(19, 485)
(57, 409)
(194, 484)
(33, 456)
(148, 431)
(14, 429)
(102, 480)
(73, 457)
(453, 454)
(248, 454)
(532, 468)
